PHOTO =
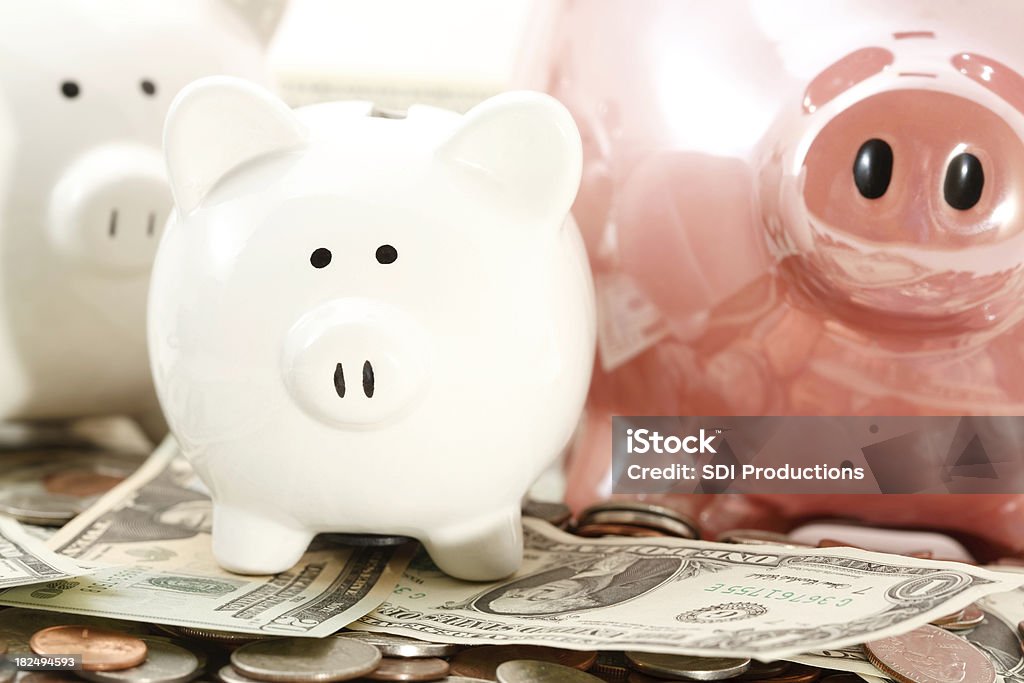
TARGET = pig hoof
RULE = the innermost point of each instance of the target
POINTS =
(478, 552)
(247, 544)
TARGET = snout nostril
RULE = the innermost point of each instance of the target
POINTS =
(112, 228)
(151, 224)
(339, 380)
(368, 379)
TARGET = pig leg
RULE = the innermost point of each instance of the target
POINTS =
(247, 543)
(478, 550)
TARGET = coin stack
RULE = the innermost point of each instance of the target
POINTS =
(49, 487)
(624, 518)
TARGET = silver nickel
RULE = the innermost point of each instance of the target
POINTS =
(44, 509)
(534, 671)
(687, 667)
(211, 635)
(305, 660)
(165, 663)
(402, 646)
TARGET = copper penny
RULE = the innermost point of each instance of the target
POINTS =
(610, 666)
(101, 650)
(796, 673)
(80, 482)
(409, 669)
(930, 655)
(760, 671)
(483, 661)
(597, 530)
(948, 618)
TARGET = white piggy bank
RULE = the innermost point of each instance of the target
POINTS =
(370, 325)
(84, 90)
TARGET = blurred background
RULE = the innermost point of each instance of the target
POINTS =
(449, 53)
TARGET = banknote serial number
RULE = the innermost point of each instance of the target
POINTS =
(778, 594)
(46, 662)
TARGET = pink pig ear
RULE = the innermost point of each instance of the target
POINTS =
(217, 124)
(524, 150)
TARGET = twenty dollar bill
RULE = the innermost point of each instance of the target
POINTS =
(670, 595)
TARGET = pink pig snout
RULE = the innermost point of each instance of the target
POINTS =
(109, 207)
(355, 362)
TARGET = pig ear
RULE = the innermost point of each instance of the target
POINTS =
(262, 16)
(525, 149)
(216, 124)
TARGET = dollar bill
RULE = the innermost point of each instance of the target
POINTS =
(152, 533)
(997, 636)
(678, 596)
(26, 560)
(850, 659)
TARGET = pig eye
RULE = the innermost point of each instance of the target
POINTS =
(69, 89)
(964, 182)
(386, 254)
(148, 86)
(872, 169)
(320, 258)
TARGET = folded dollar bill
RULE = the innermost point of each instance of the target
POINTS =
(152, 533)
(26, 560)
(679, 596)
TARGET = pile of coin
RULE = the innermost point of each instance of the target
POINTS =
(115, 651)
(49, 487)
(625, 518)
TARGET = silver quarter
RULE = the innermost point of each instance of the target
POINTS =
(305, 660)
(535, 671)
(165, 663)
(210, 635)
(687, 667)
(42, 508)
(402, 646)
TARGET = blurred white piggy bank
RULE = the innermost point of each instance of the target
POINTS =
(370, 325)
(84, 90)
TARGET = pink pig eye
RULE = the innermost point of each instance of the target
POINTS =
(872, 168)
(965, 180)
(386, 254)
(320, 258)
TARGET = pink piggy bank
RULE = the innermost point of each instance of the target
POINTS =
(800, 208)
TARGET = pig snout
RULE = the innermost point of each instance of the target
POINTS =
(109, 206)
(354, 362)
(906, 203)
